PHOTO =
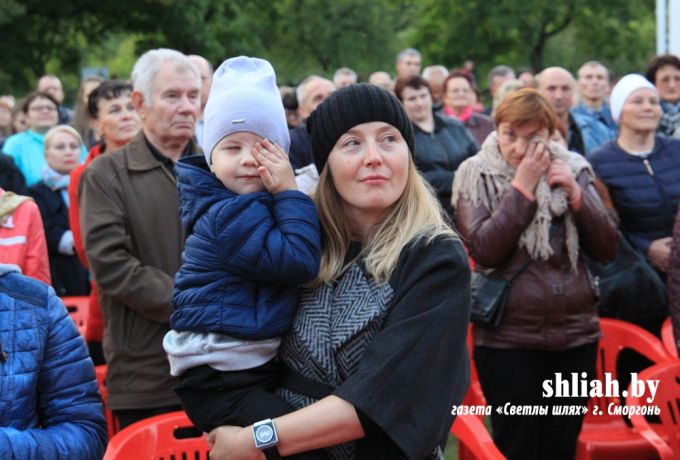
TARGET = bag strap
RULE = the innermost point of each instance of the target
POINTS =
(298, 383)
(553, 230)
(521, 270)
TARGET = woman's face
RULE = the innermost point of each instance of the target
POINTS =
(513, 141)
(118, 121)
(63, 152)
(458, 93)
(369, 168)
(417, 104)
(42, 114)
(641, 111)
(668, 83)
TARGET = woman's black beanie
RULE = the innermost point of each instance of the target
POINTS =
(351, 106)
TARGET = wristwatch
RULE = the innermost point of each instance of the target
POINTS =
(266, 438)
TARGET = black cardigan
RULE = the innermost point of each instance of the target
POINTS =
(406, 368)
(69, 277)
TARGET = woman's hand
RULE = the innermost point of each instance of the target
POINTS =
(275, 169)
(559, 174)
(233, 443)
(659, 253)
(533, 166)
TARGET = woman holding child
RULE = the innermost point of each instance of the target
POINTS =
(528, 210)
(376, 354)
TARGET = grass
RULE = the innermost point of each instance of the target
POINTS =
(451, 452)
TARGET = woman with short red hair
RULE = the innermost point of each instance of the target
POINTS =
(529, 211)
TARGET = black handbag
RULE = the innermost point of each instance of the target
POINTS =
(630, 288)
(488, 297)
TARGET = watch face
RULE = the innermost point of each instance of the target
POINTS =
(264, 433)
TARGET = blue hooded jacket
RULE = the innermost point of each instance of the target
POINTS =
(244, 257)
(50, 407)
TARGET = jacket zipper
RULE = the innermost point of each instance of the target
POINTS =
(662, 192)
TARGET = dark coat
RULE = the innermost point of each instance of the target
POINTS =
(11, 179)
(480, 126)
(645, 191)
(300, 153)
(243, 258)
(69, 277)
(395, 351)
(674, 281)
(438, 154)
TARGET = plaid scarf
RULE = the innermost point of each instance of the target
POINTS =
(670, 117)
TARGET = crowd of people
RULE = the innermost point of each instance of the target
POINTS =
(292, 266)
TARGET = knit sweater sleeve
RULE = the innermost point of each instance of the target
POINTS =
(417, 367)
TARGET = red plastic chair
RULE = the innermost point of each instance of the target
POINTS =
(472, 433)
(474, 396)
(668, 339)
(159, 438)
(474, 439)
(111, 426)
(607, 436)
(79, 309)
(665, 437)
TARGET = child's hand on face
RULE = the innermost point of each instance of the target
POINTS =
(275, 169)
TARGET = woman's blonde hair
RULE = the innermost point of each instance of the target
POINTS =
(417, 213)
(62, 128)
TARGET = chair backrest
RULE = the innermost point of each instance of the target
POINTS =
(667, 399)
(618, 335)
(78, 309)
(668, 338)
(165, 437)
(100, 372)
(474, 396)
(472, 433)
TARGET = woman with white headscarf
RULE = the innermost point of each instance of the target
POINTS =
(641, 169)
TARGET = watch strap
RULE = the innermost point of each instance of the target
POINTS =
(271, 453)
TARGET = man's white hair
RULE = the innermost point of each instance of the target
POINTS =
(434, 68)
(147, 66)
(344, 71)
(300, 90)
(408, 52)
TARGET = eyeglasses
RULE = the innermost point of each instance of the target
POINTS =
(39, 108)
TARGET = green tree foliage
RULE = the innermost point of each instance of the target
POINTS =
(311, 36)
(535, 33)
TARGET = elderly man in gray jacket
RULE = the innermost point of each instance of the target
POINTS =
(133, 240)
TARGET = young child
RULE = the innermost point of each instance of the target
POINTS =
(252, 238)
